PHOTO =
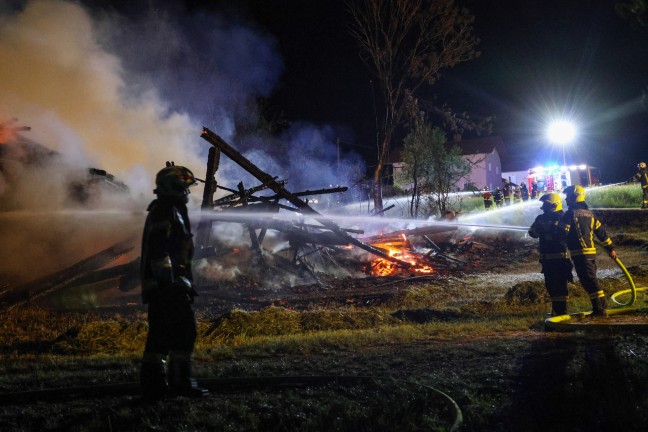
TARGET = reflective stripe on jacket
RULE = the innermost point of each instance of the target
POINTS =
(580, 226)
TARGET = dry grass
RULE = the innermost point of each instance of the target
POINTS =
(439, 333)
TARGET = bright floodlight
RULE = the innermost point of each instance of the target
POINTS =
(561, 132)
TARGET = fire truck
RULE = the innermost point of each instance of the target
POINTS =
(557, 178)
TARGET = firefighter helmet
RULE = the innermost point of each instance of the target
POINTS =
(174, 180)
(551, 200)
(641, 165)
(574, 193)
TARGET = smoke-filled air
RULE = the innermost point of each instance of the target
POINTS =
(94, 102)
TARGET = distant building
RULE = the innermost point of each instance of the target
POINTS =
(484, 155)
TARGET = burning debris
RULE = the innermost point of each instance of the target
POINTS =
(305, 248)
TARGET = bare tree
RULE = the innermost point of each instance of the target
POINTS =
(406, 43)
(634, 11)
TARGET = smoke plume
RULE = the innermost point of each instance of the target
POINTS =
(124, 92)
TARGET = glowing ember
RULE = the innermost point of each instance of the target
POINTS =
(402, 250)
(8, 130)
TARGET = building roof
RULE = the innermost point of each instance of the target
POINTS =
(483, 145)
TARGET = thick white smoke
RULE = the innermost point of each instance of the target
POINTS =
(125, 93)
(65, 76)
(59, 80)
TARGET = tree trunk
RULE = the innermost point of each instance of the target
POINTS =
(415, 199)
(377, 187)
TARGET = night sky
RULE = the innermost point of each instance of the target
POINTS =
(540, 60)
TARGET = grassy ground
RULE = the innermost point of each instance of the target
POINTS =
(476, 336)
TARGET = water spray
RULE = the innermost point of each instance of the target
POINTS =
(238, 217)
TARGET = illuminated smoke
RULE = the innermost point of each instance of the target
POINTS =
(61, 78)
(125, 94)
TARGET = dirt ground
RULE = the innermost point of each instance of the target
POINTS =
(502, 380)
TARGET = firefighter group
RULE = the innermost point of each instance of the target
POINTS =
(566, 241)
(510, 193)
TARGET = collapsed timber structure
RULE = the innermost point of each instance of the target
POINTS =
(323, 241)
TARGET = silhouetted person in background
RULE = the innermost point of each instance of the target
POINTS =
(507, 191)
(642, 177)
(498, 197)
(488, 198)
(524, 191)
(534, 190)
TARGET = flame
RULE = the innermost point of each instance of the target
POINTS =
(8, 130)
(401, 250)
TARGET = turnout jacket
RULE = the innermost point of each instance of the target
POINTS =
(167, 247)
(579, 226)
(552, 244)
(642, 177)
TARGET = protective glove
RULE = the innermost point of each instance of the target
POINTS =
(185, 286)
(162, 270)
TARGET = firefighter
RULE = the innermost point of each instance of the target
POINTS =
(556, 266)
(517, 195)
(488, 198)
(507, 191)
(642, 177)
(167, 288)
(579, 226)
(534, 189)
(498, 197)
(524, 191)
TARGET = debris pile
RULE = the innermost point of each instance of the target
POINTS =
(275, 253)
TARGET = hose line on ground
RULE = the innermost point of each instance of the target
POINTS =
(572, 322)
(227, 384)
(633, 289)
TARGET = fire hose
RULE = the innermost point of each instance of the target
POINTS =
(229, 384)
(572, 322)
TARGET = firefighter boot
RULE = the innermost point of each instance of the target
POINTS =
(558, 307)
(599, 305)
(181, 380)
(153, 379)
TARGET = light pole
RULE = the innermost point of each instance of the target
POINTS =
(561, 132)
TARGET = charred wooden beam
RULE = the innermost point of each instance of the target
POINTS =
(238, 194)
(235, 198)
(318, 192)
(213, 161)
(203, 231)
(282, 192)
(384, 210)
(63, 278)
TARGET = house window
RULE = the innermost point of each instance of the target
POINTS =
(490, 168)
